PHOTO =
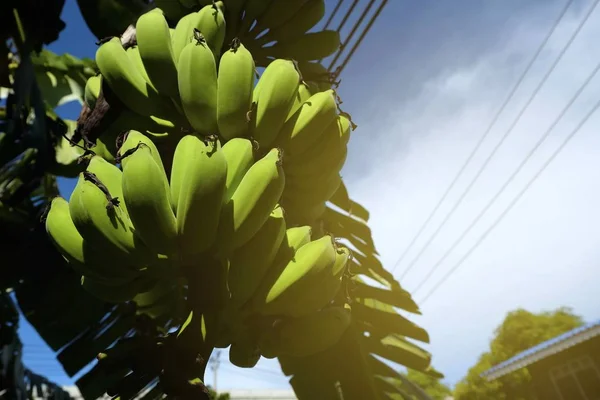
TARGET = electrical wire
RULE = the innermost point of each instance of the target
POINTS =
(348, 13)
(498, 145)
(332, 15)
(352, 32)
(519, 195)
(341, 67)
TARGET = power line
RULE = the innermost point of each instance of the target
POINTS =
(340, 68)
(332, 15)
(348, 13)
(352, 32)
(501, 142)
(480, 142)
(518, 197)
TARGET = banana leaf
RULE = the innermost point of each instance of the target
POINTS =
(61, 78)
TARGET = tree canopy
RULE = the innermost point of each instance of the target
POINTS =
(519, 331)
(434, 387)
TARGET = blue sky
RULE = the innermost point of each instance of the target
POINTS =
(423, 87)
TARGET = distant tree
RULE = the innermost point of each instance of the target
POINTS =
(519, 331)
(435, 388)
(217, 396)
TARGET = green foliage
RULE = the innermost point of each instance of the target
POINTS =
(217, 396)
(519, 331)
(430, 385)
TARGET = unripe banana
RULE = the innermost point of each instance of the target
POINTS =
(346, 127)
(293, 240)
(274, 97)
(100, 215)
(198, 185)
(239, 154)
(251, 203)
(318, 290)
(305, 213)
(234, 90)
(307, 17)
(311, 334)
(92, 90)
(249, 263)
(154, 43)
(127, 83)
(84, 259)
(211, 23)
(131, 140)
(310, 260)
(148, 199)
(244, 352)
(183, 35)
(197, 75)
(133, 53)
(322, 157)
(115, 294)
(299, 192)
(310, 46)
(306, 126)
(305, 90)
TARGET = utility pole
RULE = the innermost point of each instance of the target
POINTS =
(214, 366)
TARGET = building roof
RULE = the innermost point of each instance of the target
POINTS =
(543, 350)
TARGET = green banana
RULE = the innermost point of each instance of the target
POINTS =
(198, 185)
(305, 91)
(249, 263)
(251, 203)
(183, 35)
(84, 259)
(306, 126)
(293, 240)
(305, 213)
(323, 156)
(310, 46)
(154, 44)
(320, 289)
(197, 75)
(131, 140)
(316, 72)
(307, 17)
(239, 154)
(299, 193)
(235, 82)
(101, 217)
(311, 334)
(133, 53)
(127, 83)
(147, 196)
(277, 15)
(92, 90)
(211, 23)
(310, 260)
(274, 96)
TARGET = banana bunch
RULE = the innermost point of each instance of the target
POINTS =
(270, 28)
(179, 80)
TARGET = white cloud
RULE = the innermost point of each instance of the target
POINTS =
(543, 255)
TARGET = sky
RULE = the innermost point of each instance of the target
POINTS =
(423, 87)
